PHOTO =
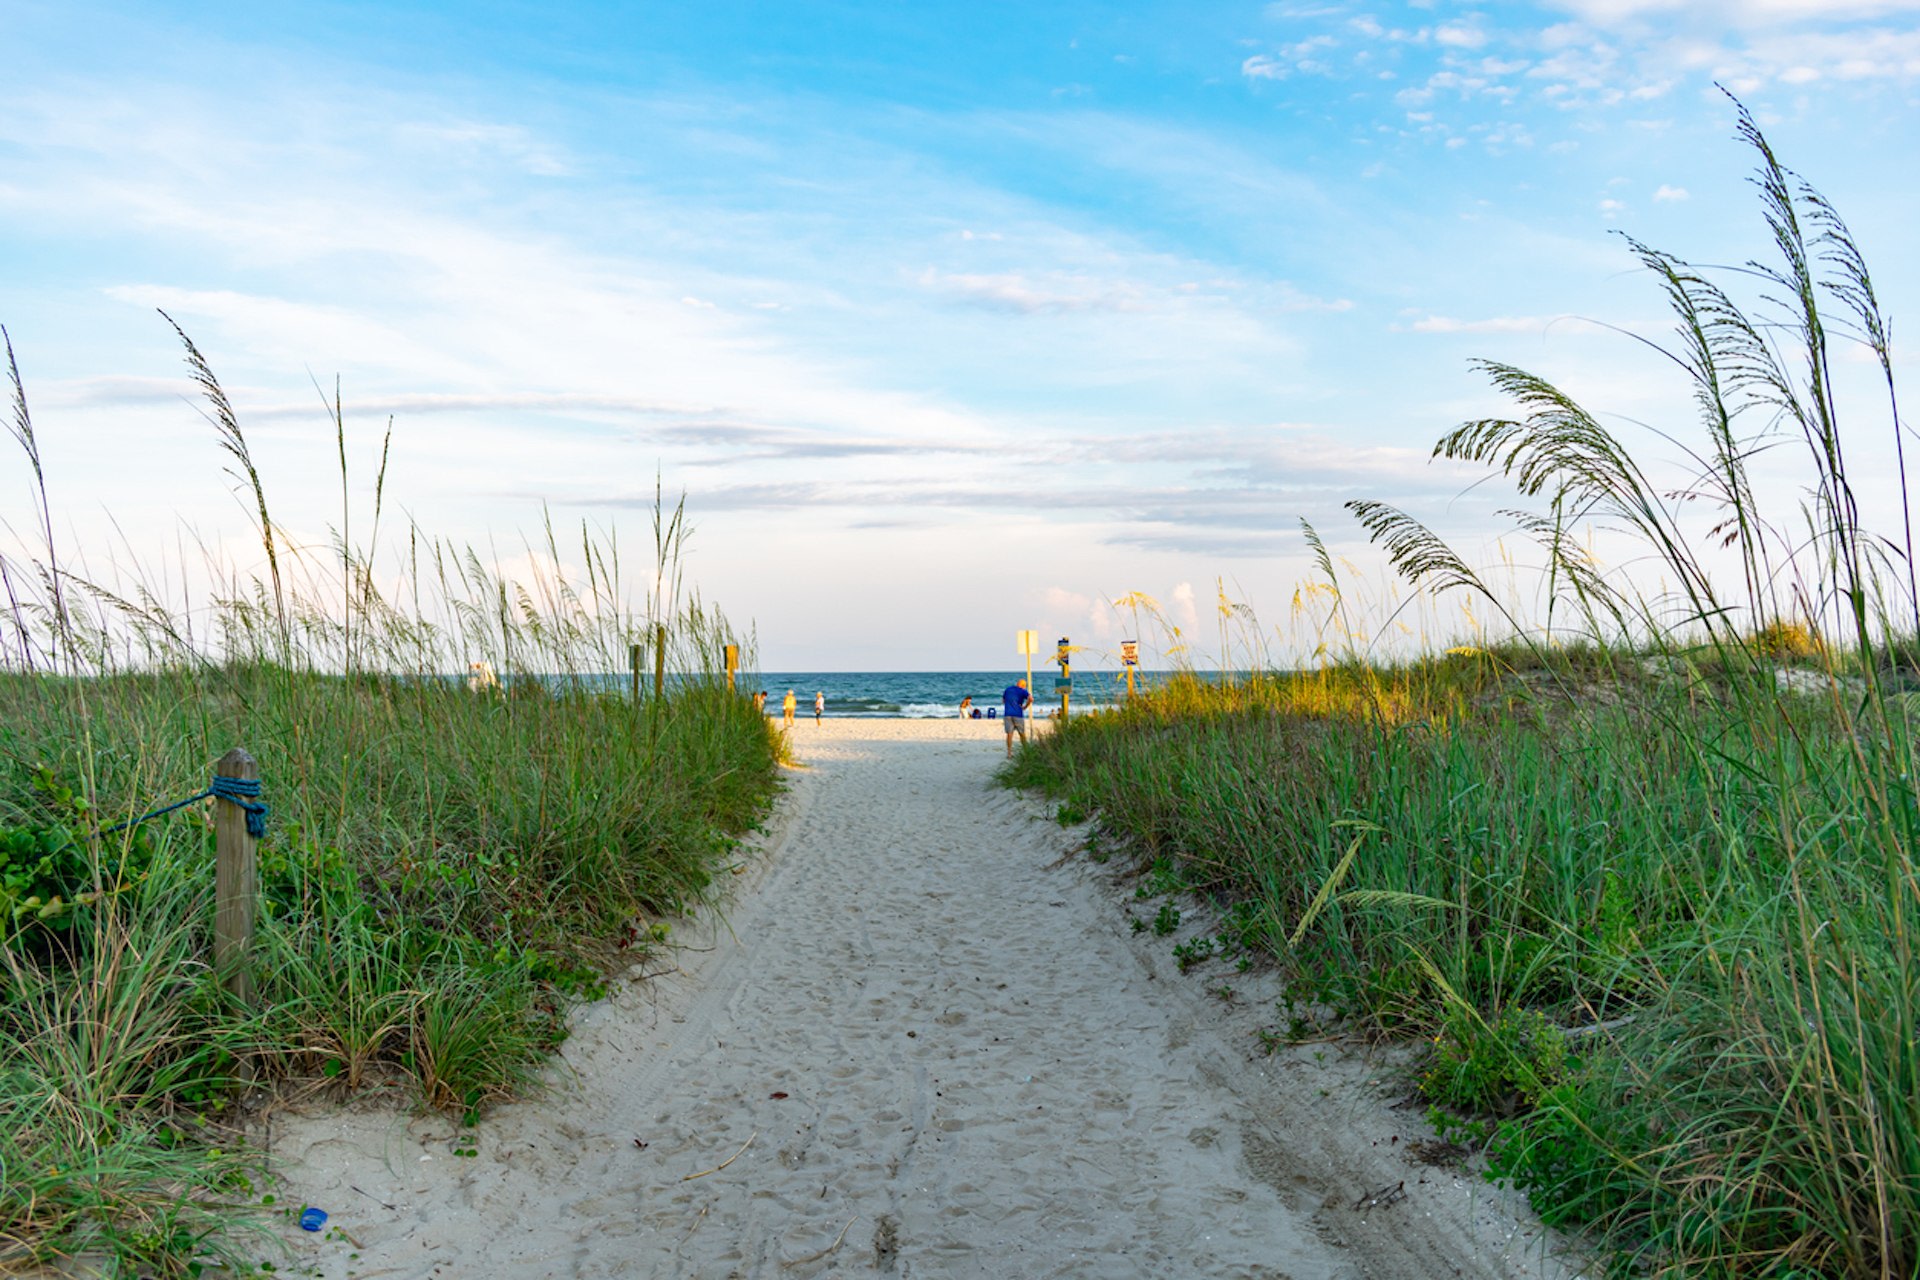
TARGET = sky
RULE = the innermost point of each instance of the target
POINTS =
(949, 320)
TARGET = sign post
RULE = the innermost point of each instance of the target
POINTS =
(1062, 654)
(1129, 658)
(1026, 642)
(733, 664)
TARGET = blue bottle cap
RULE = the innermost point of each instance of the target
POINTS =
(312, 1219)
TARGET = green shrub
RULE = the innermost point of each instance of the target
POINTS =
(1499, 1065)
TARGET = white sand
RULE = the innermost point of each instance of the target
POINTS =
(930, 1046)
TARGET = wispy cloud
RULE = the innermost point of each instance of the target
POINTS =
(1742, 13)
(1490, 324)
(1018, 293)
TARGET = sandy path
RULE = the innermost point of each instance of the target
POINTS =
(930, 1039)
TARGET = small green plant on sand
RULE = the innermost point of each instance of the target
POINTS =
(1192, 952)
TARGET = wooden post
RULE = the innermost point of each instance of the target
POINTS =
(733, 664)
(235, 881)
(659, 660)
(1063, 654)
(633, 662)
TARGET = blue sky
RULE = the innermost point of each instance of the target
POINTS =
(949, 319)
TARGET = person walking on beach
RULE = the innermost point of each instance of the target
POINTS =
(819, 705)
(966, 706)
(760, 701)
(1015, 699)
(787, 704)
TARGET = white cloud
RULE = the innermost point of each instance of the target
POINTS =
(1062, 600)
(1019, 293)
(1185, 613)
(1494, 324)
(1457, 35)
(1742, 13)
(296, 332)
(1264, 67)
(1665, 192)
(1745, 46)
(518, 145)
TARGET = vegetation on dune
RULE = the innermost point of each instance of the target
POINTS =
(1650, 893)
(446, 866)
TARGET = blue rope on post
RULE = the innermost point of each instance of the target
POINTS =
(238, 791)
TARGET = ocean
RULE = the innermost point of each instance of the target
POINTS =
(931, 695)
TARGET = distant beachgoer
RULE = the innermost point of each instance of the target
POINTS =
(819, 705)
(480, 676)
(787, 705)
(760, 702)
(966, 705)
(1016, 700)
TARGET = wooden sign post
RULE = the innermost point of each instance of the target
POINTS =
(1063, 654)
(1026, 642)
(235, 881)
(633, 662)
(1129, 658)
(659, 660)
(733, 664)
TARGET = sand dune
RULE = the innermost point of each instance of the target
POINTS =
(921, 1043)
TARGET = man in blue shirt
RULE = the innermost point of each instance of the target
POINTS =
(1016, 700)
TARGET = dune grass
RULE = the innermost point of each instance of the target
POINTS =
(1650, 901)
(445, 869)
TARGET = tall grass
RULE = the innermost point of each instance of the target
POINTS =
(445, 868)
(1654, 907)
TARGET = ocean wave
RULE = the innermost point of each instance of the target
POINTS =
(930, 711)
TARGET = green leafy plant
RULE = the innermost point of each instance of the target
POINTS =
(1192, 952)
(1494, 1065)
(50, 863)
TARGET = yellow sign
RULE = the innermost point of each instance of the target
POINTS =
(1027, 642)
(1129, 653)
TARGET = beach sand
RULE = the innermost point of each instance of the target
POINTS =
(923, 1041)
